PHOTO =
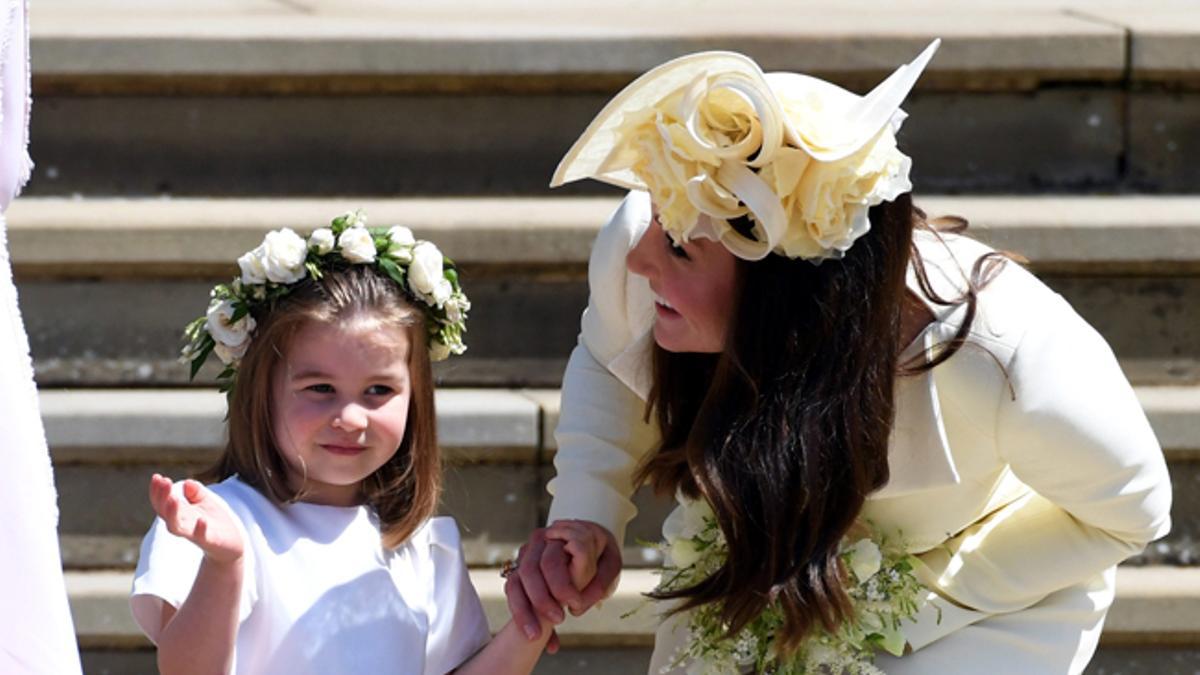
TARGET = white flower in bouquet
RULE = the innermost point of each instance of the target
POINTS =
(865, 559)
(883, 591)
(322, 240)
(357, 245)
(283, 257)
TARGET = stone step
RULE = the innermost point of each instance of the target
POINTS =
(1157, 608)
(266, 42)
(264, 98)
(499, 445)
(1130, 265)
(626, 660)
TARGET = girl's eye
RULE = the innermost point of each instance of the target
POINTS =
(320, 388)
(676, 250)
(379, 390)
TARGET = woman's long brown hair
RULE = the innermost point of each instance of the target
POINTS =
(786, 431)
(404, 492)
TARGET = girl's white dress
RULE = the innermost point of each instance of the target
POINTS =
(322, 595)
(1022, 470)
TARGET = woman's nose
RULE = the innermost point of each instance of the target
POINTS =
(640, 260)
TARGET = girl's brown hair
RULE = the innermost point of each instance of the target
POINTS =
(786, 431)
(405, 491)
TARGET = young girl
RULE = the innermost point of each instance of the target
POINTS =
(317, 551)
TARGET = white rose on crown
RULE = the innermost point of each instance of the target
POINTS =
(455, 307)
(322, 240)
(283, 256)
(425, 274)
(230, 355)
(357, 245)
(401, 241)
(231, 337)
(253, 266)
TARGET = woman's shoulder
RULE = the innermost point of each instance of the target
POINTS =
(1010, 299)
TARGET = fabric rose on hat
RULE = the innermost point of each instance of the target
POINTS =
(694, 150)
(826, 202)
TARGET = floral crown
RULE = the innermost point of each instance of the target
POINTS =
(714, 139)
(284, 258)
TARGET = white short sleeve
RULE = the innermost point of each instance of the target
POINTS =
(166, 569)
(458, 626)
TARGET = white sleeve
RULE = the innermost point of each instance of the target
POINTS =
(601, 436)
(601, 439)
(166, 569)
(1076, 434)
(458, 626)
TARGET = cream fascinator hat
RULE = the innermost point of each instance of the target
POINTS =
(713, 138)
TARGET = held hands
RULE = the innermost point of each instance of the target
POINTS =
(584, 542)
(572, 563)
(198, 516)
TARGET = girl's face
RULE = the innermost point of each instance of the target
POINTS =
(694, 286)
(340, 406)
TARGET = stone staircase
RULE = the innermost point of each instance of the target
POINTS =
(168, 140)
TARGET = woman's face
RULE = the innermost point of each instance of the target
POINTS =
(694, 286)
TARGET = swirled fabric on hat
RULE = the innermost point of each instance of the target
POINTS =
(714, 139)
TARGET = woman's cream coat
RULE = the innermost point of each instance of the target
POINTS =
(1022, 466)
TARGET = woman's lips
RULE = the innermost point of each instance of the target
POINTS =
(344, 449)
(663, 308)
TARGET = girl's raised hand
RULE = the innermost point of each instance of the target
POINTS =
(584, 542)
(197, 515)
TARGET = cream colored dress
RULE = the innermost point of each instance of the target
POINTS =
(1020, 493)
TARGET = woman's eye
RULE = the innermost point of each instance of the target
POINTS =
(676, 249)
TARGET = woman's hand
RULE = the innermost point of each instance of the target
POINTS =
(199, 517)
(543, 582)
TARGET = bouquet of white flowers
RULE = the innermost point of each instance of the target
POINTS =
(881, 585)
